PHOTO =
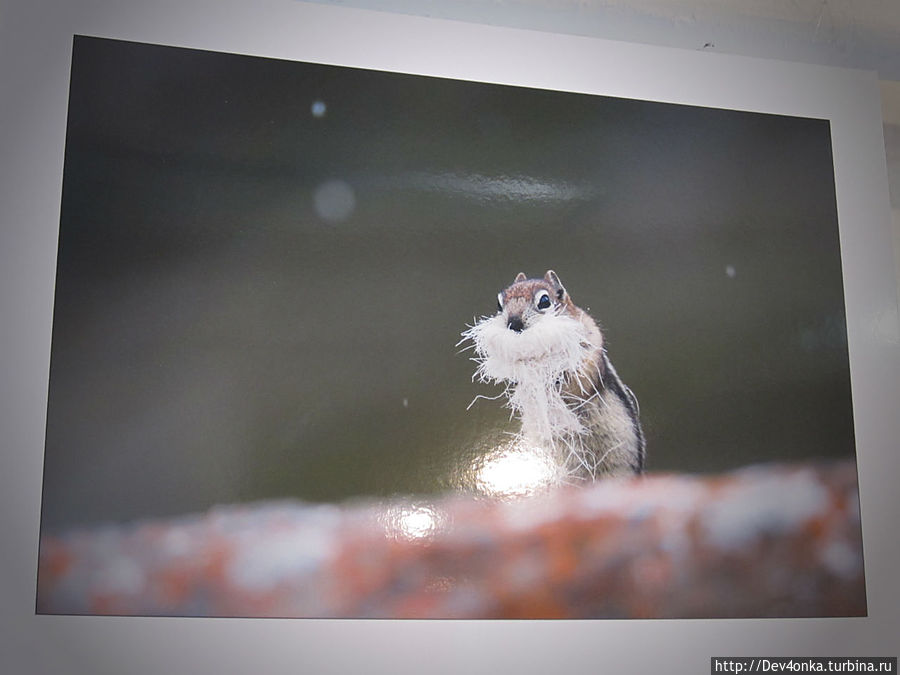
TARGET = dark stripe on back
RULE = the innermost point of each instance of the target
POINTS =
(609, 379)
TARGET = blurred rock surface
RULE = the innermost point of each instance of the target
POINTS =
(764, 541)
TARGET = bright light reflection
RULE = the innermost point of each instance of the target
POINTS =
(411, 522)
(417, 523)
(500, 186)
(514, 470)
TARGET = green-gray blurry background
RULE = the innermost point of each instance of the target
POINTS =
(264, 268)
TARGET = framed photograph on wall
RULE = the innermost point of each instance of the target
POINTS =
(272, 260)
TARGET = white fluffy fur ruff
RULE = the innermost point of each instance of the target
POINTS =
(532, 364)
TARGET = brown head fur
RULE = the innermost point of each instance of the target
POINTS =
(519, 306)
(520, 300)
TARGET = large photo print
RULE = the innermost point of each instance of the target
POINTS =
(332, 342)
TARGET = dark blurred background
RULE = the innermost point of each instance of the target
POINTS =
(264, 267)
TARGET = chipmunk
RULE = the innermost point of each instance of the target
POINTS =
(559, 381)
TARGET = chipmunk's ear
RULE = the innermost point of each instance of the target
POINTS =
(520, 277)
(551, 278)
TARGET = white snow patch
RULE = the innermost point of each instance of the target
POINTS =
(280, 557)
(176, 543)
(121, 576)
(842, 559)
(772, 505)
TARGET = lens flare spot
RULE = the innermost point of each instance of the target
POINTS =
(515, 469)
(334, 201)
(411, 522)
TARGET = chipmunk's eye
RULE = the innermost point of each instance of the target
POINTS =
(543, 300)
(499, 302)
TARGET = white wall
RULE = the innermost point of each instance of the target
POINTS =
(847, 33)
(890, 110)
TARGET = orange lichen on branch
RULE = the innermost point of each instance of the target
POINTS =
(763, 541)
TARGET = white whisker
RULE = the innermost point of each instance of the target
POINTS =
(486, 398)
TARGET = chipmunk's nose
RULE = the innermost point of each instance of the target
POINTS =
(515, 323)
